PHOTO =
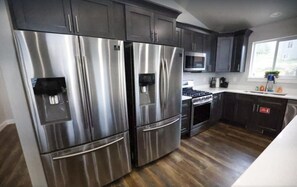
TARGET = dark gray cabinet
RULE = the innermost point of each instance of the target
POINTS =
(93, 17)
(144, 25)
(269, 114)
(46, 15)
(229, 102)
(192, 41)
(186, 117)
(82, 17)
(178, 38)
(256, 113)
(210, 48)
(187, 42)
(244, 108)
(232, 51)
(139, 24)
(165, 29)
(240, 45)
(216, 108)
(224, 54)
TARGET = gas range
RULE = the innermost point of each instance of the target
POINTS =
(198, 97)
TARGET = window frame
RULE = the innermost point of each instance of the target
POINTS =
(278, 40)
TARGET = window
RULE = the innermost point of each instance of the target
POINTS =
(279, 55)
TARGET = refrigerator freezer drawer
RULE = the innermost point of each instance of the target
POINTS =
(94, 164)
(157, 140)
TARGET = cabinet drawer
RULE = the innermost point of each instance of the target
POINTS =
(185, 124)
(93, 164)
(186, 108)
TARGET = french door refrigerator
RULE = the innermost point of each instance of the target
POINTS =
(154, 94)
(76, 90)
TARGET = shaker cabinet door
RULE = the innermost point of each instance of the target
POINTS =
(187, 42)
(139, 24)
(244, 109)
(224, 54)
(270, 113)
(198, 42)
(164, 30)
(93, 17)
(45, 15)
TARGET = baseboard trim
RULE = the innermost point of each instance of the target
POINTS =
(5, 123)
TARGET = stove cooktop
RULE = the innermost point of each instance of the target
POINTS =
(195, 93)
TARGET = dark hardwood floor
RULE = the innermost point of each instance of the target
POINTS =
(216, 157)
(13, 169)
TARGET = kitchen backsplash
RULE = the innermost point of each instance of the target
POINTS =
(236, 81)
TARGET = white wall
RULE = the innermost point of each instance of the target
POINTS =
(5, 110)
(16, 96)
(264, 32)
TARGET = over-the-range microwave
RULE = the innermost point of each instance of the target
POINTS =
(195, 61)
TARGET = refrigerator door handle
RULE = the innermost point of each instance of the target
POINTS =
(88, 90)
(82, 85)
(166, 81)
(88, 151)
(160, 127)
(162, 84)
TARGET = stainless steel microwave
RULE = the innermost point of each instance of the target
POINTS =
(195, 61)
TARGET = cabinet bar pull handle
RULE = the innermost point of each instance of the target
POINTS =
(69, 22)
(258, 108)
(88, 151)
(254, 106)
(156, 37)
(76, 21)
(152, 37)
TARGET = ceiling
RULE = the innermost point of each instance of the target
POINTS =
(232, 15)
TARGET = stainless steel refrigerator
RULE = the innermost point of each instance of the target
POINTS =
(76, 90)
(154, 80)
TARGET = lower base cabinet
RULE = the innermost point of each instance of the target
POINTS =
(186, 117)
(269, 114)
(255, 113)
(216, 108)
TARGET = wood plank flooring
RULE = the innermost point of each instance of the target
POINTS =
(216, 157)
(13, 168)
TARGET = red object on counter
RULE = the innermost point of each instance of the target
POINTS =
(264, 110)
(262, 88)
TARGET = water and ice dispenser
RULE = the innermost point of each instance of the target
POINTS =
(147, 88)
(51, 99)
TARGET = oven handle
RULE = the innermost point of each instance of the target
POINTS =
(202, 103)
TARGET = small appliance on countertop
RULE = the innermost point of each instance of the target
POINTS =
(214, 82)
(223, 83)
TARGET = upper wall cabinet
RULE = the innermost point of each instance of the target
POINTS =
(46, 15)
(93, 17)
(195, 39)
(192, 41)
(144, 25)
(224, 54)
(232, 51)
(240, 45)
(139, 24)
(83, 17)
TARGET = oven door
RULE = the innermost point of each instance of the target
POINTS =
(200, 114)
(195, 61)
